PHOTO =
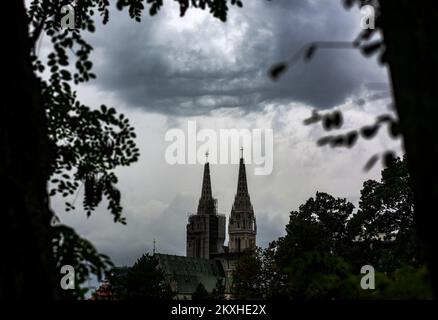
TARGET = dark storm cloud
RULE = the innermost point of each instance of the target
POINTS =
(164, 67)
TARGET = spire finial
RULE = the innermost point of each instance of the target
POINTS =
(241, 152)
(154, 247)
(206, 156)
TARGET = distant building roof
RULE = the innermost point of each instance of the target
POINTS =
(188, 272)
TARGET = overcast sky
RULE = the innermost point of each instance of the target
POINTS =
(168, 70)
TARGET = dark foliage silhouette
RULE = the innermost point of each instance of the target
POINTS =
(327, 242)
(51, 136)
(409, 50)
(143, 281)
(218, 292)
(200, 293)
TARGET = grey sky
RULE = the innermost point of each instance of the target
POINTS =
(196, 64)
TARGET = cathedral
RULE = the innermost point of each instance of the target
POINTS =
(206, 228)
(208, 259)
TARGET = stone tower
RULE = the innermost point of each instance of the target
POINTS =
(206, 228)
(242, 227)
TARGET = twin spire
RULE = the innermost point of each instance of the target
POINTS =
(206, 229)
(207, 204)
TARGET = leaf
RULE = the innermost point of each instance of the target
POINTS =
(324, 140)
(310, 52)
(91, 28)
(348, 3)
(88, 65)
(315, 117)
(389, 158)
(338, 141)
(384, 118)
(371, 48)
(337, 119)
(311, 120)
(277, 70)
(371, 162)
(352, 138)
(369, 132)
(332, 120)
(327, 122)
(65, 75)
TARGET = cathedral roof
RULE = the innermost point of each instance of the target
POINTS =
(189, 272)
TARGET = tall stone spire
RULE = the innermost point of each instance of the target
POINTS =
(207, 204)
(242, 228)
(242, 200)
(206, 228)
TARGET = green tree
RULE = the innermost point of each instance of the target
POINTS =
(321, 256)
(273, 280)
(218, 292)
(247, 277)
(327, 243)
(319, 224)
(143, 281)
(409, 283)
(405, 283)
(200, 293)
(117, 279)
(310, 255)
(385, 219)
(316, 275)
